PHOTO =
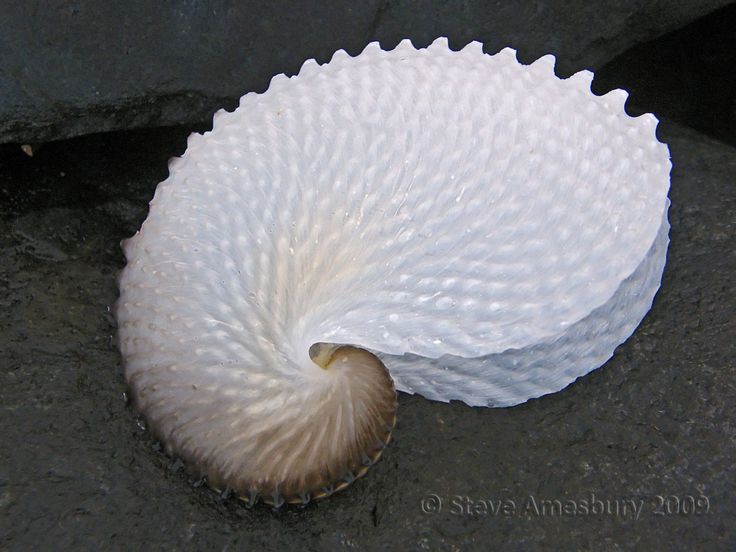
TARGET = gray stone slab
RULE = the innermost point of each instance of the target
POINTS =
(71, 68)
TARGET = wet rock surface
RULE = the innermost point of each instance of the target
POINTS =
(78, 472)
(72, 68)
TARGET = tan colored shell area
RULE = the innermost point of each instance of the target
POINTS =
(309, 452)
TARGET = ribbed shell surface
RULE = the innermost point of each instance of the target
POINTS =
(489, 230)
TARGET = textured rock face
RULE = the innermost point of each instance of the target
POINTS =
(91, 66)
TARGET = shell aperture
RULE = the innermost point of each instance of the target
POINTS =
(478, 229)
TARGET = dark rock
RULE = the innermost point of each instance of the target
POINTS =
(76, 473)
(74, 68)
(687, 75)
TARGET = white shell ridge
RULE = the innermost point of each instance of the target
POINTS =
(489, 230)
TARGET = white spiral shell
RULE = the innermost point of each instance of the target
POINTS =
(489, 230)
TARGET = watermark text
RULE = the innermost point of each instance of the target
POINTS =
(593, 505)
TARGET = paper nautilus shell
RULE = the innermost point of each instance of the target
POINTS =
(448, 223)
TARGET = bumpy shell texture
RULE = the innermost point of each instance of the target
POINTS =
(489, 231)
